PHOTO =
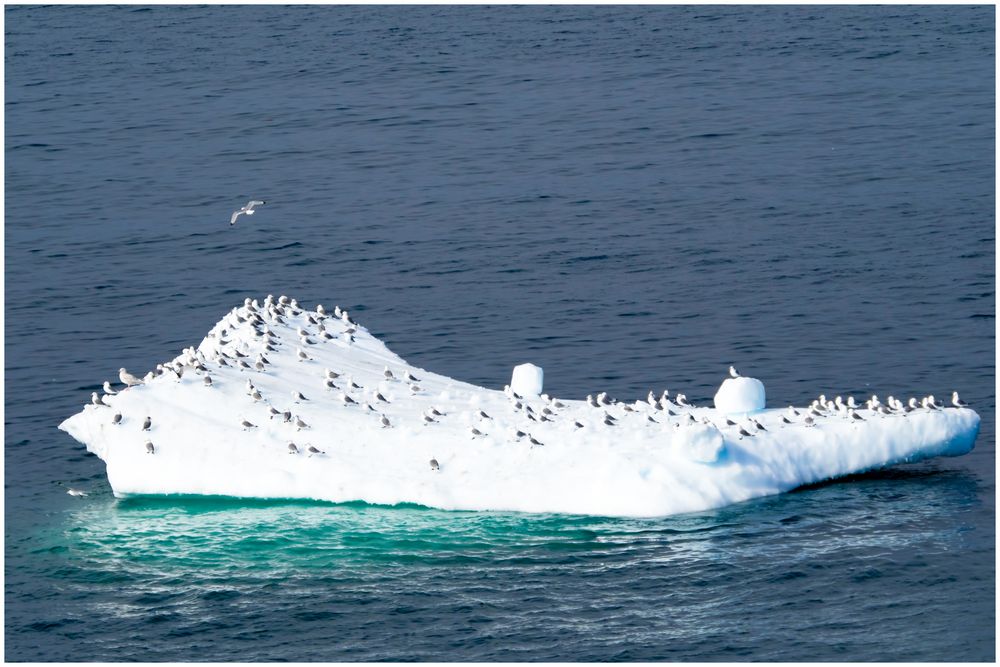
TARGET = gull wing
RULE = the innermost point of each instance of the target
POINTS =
(236, 214)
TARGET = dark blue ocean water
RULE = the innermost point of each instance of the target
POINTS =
(630, 197)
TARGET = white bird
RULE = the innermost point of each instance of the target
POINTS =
(248, 209)
(732, 372)
(77, 493)
(957, 402)
(127, 378)
(108, 390)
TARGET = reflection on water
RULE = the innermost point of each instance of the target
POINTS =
(206, 533)
(393, 583)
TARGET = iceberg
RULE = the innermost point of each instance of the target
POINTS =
(283, 402)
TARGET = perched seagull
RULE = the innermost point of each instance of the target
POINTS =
(248, 209)
(385, 422)
(435, 465)
(957, 402)
(149, 447)
(146, 424)
(127, 378)
(117, 419)
(733, 372)
(292, 449)
(312, 450)
(96, 400)
(108, 390)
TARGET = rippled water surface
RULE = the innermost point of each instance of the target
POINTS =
(630, 197)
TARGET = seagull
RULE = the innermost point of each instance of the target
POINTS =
(292, 449)
(385, 422)
(248, 209)
(117, 419)
(108, 390)
(247, 425)
(957, 402)
(208, 380)
(435, 465)
(299, 424)
(96, 400)
(313, 450)
(476, 431)
(146, 424)
(149, 447)
(127, 378)
(733, 373)
(77, 493)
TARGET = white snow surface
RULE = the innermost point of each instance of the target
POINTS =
(633, 467)
(740, 395)
(526, 380)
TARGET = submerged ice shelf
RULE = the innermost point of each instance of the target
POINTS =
(281, 402)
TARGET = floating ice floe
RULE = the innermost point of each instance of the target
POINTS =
(282, 402)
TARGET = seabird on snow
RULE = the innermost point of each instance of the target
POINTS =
(292, 449)
(108, 390)
(96, 400)
(149, 447)
(733, 373)
(117, 419)
(957, 402)
(146, 424)
(127, 378)
(435, 465)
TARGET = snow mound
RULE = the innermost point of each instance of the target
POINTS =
(740, 395)
(526, 380)
(281, 402)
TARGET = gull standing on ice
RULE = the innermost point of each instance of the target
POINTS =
(248, 209)
(733, 373)
(127, 378)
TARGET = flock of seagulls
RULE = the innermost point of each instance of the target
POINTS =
(249, 339)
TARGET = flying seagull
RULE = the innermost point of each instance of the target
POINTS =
(248, 209)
